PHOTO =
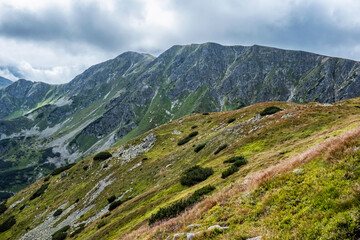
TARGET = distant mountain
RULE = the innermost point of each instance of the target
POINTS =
(44, 126)
(4, 82)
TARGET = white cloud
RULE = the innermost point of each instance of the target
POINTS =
(52, 41)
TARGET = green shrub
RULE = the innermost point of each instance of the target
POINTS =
(231, 120)
(193, 127)
(270, 110)
(58, 212)
(179, 206)
(61, 169)
(47, 178)
(101, 156)
(222, 147)
(205, 113)
(240, 162)
(101, 224)
(199, 147)
(188, 138)
(195, 175)
(111, 199)
(234, 159)
(117, 203)
(61, 234)
(39, 192)
(231, 170)
(2, 207)
(78, 230)
(7, 224)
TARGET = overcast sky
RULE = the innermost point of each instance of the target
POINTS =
(53, 41)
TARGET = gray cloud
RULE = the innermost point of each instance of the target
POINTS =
(53, 40)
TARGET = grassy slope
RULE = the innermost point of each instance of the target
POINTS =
(319, 202)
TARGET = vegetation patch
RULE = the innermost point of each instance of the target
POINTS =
(222, 147)
(117, 203)
(101, 156)
(58, 212)
(101, 224)
(39, 192)
(61, 169)
(193, 127)
(195, 175)
(188, 138)
(199, 147)
(78, 230)
(231, 170)
(270, 110)
(61, 234)
(231, 120)
(234, 159)
(2, 207)
(111, 199)
(7, 224)
(179, 206)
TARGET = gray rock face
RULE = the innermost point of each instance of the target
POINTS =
(135, 92)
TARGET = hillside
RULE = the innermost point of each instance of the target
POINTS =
(300, 180)
(45, 126)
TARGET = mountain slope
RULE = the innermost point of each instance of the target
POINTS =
(300, 180)
(115, 101)
(4, 82)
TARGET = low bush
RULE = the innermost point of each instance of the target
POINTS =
(101, 156)
(7, 224)
(231, 170)
(231, 120)
(101, 224)
(47, 178)
(58, 212)
(240, 162)
(222, 147)
(234, 159)
(188, 138)
(205, 113)
(195, 175)
(193, 127)
(199, 147)
(111, 199)
(179, 206)
(2, 207)
(270, 110)
(117, 203)
(39, 192)
(78, 230)
(61, 169)
(61, 234)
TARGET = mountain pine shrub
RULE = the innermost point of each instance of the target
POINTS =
(61, 169)
(101, 156)
(195, 175)
(39, 192)
(199, 147)
(231, 120)
(231, 170)
(270, 110)
(179, 206)
(61, 234)
(58, 212)
(188, 138)
(222, 147)
(7, 224)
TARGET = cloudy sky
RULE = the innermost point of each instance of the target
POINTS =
(53, 41)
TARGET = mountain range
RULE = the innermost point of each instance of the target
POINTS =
(4, 82)
(44, 126)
